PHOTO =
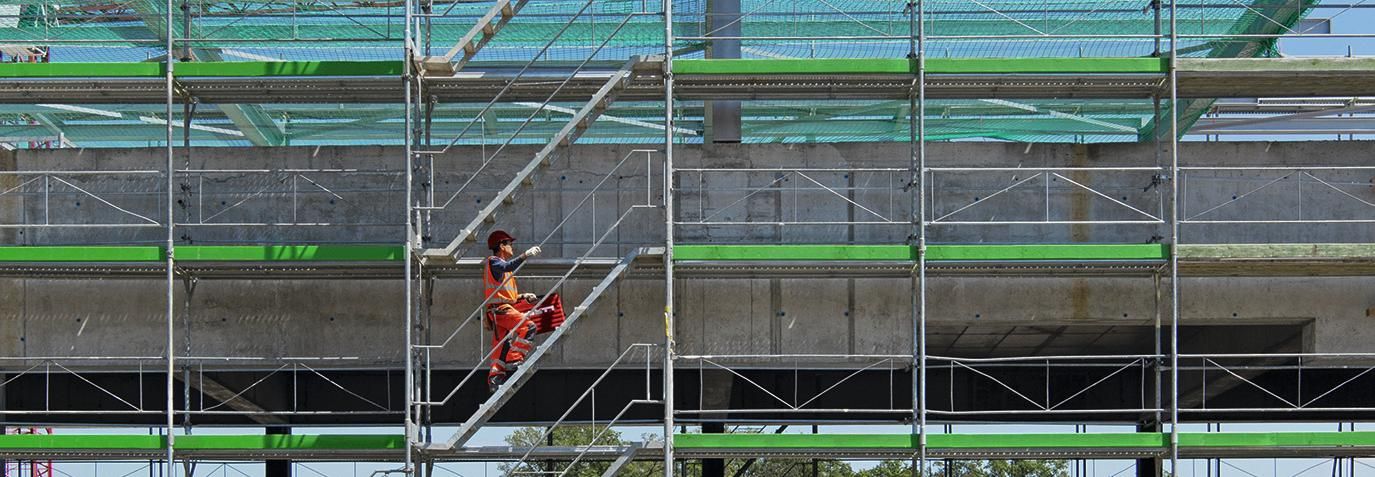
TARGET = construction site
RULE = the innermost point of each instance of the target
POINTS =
(856, 237)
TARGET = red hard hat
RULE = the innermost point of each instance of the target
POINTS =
(496, 237)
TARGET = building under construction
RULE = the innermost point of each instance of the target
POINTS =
(248, 236)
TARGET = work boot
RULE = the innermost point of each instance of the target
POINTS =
(495, 381)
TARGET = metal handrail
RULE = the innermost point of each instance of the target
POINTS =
(561, 280)
(589, 392)
(428, 349)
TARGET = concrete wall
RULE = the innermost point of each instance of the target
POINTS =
(365, 203)
(361, 318)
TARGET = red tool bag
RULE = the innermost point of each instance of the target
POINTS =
(548, 317)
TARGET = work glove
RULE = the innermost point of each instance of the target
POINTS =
(532, 252)
(529, 297)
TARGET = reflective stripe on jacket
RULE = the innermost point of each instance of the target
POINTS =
(501, 290)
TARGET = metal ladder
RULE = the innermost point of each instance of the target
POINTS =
(477, 37)
(504, 393)
(580, 122)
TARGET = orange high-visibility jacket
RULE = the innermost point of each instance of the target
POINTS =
(503, 290)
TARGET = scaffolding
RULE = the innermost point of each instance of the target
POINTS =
(530, 79)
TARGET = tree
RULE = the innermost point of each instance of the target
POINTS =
(763, 467)
(572, 436)
(787, 467)
(973, 468)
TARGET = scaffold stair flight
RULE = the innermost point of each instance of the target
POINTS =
(577, 125)
(522, 374)
(622, 461)
(472, 42)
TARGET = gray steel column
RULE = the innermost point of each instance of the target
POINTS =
(668, 238)
(723, 117)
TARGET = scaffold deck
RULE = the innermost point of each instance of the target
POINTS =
(954, 78)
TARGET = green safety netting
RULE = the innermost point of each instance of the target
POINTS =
(134, 30)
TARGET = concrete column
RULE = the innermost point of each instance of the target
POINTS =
(717, 391)
(11, 205)
(1152, 467)
(723, 117)
(713, 467)
(278, 467)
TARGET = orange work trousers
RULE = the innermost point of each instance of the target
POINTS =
(509, 349)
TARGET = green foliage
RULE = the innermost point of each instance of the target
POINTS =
(572, 436)
(973, 468)
(596, 435)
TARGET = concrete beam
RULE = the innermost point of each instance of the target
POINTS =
(257, 126)
(219, 392)
(723, 118)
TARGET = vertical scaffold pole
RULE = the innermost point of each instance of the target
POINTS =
(1174, 237)
(668, 238)
(410, 78)
(169, 466)
(919, 187)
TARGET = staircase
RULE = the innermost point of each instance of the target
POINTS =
(477, 37)
(621, 461)
(580, 122)
(504, 393)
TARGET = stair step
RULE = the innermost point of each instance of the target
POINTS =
(509, 388)
(581, 121)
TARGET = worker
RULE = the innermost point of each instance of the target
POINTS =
(498, 276)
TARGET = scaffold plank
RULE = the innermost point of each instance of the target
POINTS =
(288, 442)
(80, 442)
(223, 442)
(1026, 441)
(275, 253)
(1047, 252)
(80, 253)
(80, 70)
(203, 69)
(1286, 66)
(1278, 439)
(1041, 252)
(1048, 441)
(833, 78)
(1198, 444)
(794, 441)
(847, 66)
(1277, 251)
(904, 441)
(794, 252)
(1047, 65)
(793, 66)
(1194, 253)
(290, 68)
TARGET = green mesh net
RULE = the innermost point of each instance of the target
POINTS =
(569, 31)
